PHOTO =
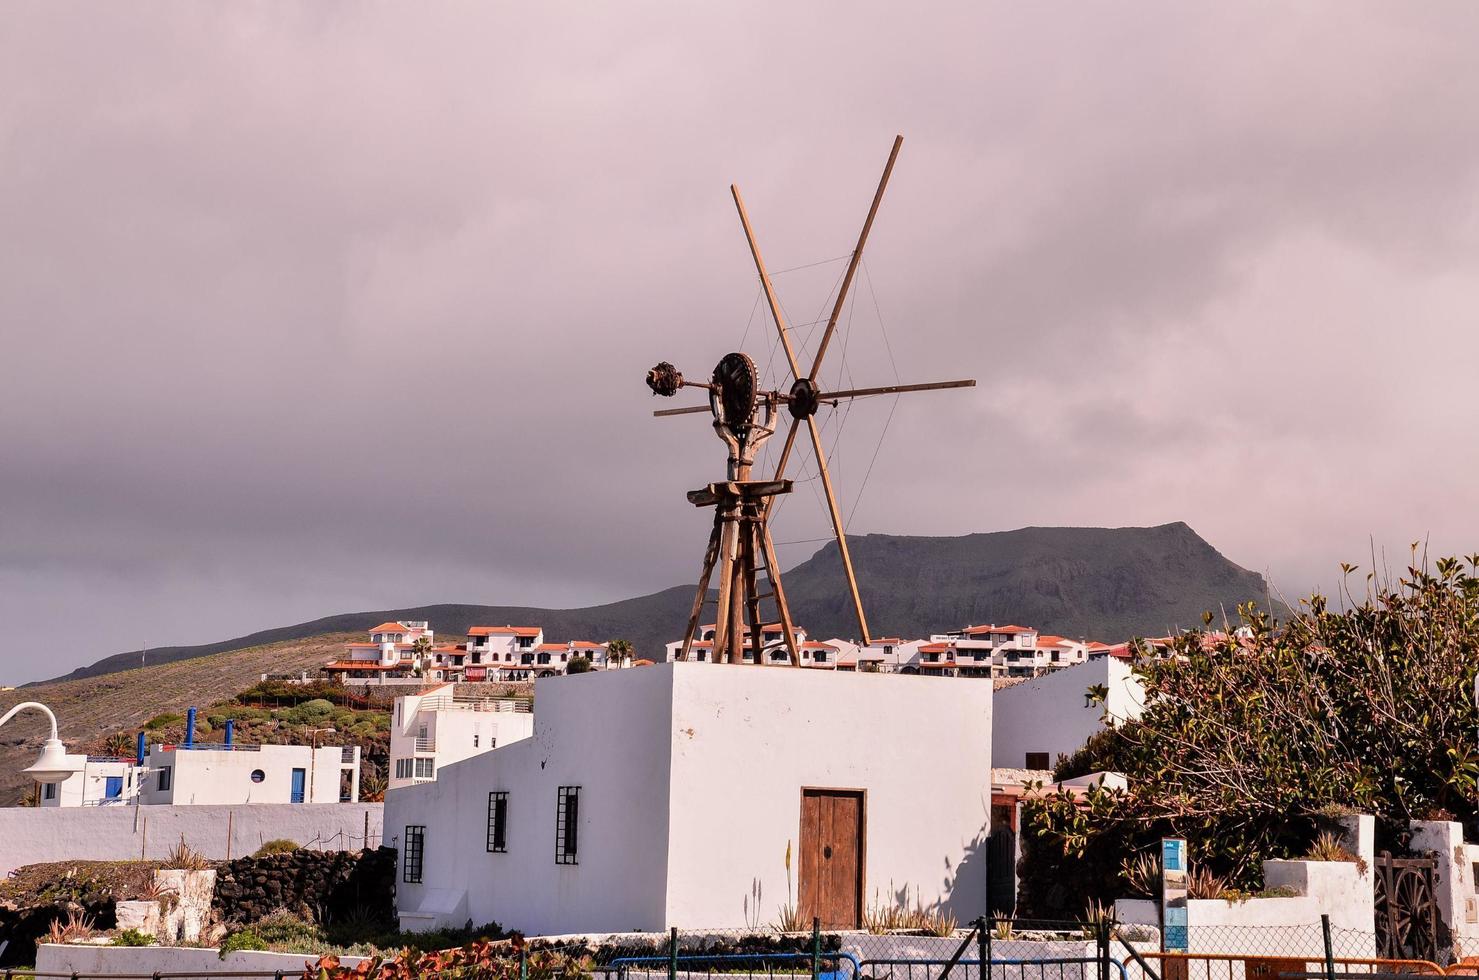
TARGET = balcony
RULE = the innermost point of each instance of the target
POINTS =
(427, 744)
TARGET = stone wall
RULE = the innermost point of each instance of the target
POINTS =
(324, 885)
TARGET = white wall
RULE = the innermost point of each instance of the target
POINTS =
(747, 740)
(29, 835)
(1280, 926)
(719, 754)
(607, 732)
(1048, 714)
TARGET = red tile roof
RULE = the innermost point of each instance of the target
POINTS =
(359, 665)
(504, 631)
(587, 645)
(934, 648)
(1049, 640)
(552, 648)
(392, 628)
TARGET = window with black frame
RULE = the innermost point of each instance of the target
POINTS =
(415, 849)
(497, 823)
(567, 825)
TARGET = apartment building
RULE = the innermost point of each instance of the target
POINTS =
(439, 727)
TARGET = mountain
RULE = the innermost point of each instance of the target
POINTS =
(1082, 582)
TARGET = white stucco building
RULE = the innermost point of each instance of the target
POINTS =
(96, 781)
(178, 774)
(672, 795)
(391, 653)
(440, 727)
(1038, 720)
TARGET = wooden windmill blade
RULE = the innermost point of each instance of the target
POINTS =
(857, 256)
(741, 543)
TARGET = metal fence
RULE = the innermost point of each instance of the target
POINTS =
(985, 949)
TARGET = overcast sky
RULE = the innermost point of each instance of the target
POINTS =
(308, 309)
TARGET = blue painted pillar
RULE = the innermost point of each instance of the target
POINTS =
(143, 748)
(190, 728)
(230, 725)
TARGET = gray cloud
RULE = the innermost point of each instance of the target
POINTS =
(309, 309)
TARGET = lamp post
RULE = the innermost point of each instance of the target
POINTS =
(52, 766)
(313, 734)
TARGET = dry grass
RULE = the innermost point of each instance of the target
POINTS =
(89, 708)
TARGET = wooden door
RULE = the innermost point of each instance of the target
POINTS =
(830, 870)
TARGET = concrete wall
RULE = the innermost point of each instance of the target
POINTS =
(745, 743)
(1457, 892)
(33, 836)
(180, 961)
(690, 781)
(1048, 714)
(1280, 926)
(607, 732)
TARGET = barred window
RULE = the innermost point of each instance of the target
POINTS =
(403, 769)
(425, 768)
(415, 848)
(567, 825)
(497, 823)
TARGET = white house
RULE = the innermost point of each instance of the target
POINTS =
(772, 640)
(886, 655)
(1038, 720)
(96, 781)
(391, 653)
(706, 796)
(180, 774)
(440, 727)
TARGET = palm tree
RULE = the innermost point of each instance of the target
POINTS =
(419, 650)
(619, 653)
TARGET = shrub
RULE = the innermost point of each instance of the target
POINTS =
(164, 720)
(241, 939)
(280, 845)
(1250, 733)
(133, 937)
(579, 665)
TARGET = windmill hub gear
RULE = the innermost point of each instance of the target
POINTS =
(804, 399)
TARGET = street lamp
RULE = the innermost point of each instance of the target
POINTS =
(52, 766)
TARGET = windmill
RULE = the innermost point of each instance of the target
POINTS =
(745, 417)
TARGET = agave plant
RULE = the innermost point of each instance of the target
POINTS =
(77, 925)
(182, 857)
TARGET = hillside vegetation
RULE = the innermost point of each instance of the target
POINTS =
(1096, 583)
(90, 708)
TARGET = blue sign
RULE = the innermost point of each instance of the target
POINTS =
(1174, 934)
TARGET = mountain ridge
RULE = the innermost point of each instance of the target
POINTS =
(1081, 582)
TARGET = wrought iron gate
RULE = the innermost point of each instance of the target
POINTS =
(1406, 909)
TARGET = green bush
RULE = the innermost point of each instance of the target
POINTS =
(164, 720)
(579, 665)
(132, 937)
(242, 939)
(280, 845)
